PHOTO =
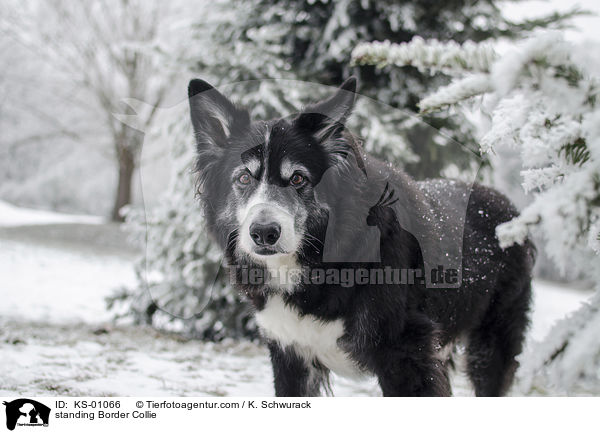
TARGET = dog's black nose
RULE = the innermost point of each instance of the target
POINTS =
(265, 234)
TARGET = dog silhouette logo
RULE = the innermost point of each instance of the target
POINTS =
(26, 412)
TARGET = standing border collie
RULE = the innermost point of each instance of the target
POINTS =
(298, 196)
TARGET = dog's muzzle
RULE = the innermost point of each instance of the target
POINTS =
(268, 230)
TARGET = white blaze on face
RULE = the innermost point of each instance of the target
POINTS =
(260, 208)
(263, 208)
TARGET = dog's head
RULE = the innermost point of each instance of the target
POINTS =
(258, 179)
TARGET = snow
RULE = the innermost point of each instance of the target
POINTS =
(57, 338)
(15, 216)
(553, 301)
(56, 285)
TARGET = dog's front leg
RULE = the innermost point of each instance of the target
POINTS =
(294, 376)
(414, 377)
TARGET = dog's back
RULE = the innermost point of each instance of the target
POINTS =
(489, 309)
(485, 298)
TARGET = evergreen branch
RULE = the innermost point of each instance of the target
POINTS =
(431, 55)
(456, 92)
(576, 152)
(556, 20)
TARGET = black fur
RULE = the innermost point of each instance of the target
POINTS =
(394, 331)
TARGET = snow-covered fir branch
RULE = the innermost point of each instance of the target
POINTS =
(428, 56)
(456, 92)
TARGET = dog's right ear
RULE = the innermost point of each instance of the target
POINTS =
(214, 117)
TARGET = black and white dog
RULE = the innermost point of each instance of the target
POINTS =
(337, 252)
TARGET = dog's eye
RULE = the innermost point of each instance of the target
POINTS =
(244, 179)
(297, 179)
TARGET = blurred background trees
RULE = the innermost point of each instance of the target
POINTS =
(83, 60)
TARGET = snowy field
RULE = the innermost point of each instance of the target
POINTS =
(56, 337)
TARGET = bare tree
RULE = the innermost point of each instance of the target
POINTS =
(107, 50)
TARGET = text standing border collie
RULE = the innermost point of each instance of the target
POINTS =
(299, 194)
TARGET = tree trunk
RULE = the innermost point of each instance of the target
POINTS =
(127, 163)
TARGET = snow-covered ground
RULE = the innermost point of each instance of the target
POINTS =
(11, 216)
(56, 337)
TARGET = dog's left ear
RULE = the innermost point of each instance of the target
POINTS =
(327, 118)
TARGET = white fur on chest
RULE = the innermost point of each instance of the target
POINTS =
(283, 272)
(310, 337)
